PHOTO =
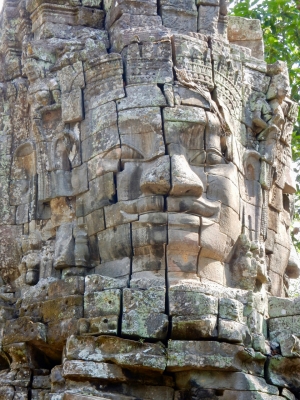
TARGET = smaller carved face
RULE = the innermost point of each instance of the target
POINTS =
(32, 69)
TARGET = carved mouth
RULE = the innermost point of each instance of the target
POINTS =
(156, 235)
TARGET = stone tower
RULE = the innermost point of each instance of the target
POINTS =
(146, 199)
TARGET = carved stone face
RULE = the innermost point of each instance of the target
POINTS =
(177, 151)
(199, 166)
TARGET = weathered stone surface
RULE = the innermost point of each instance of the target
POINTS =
(283, 372)
(233, 331)
(110, 250)
(279, 307)
(73, 285)
(61, 308)
(97, 304)
(145, 95)
(193, 327)
(179, 19)
(89, 369)
(206, 355)
(101, 193)
(247, 33)
(192, 303)
(230, 394)
(123, 352)
(97, 283)
(139, 63)
(149, 325)
(227, 380)
(146, 185)
(144, 301)
(24, 330)
(115, 269)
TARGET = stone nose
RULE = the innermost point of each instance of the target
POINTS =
(184, 182)
(170, 175)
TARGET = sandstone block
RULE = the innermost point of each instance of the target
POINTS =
(148, 326)
(33, 311)
(155, 178)
(41, 382)
(71, 77)
(191, 303)
(208, 19)
(148, 279)
(101, 193)
(213, 242)
(183, 4)
(231, 309)
(144, 301)
(156, 57)
(141, 133)
(98, 119)
(97, 283)
(115, 269)
(190, 97)
(144, 234)
(223, 189)
(283, 371)
(92, 370)
(192, 327)
(211, 270)
(281, 324)
(145, 27)
(289, 345)
(101, 142)
(115, 243)
(79, 180)
(233, 331)
(178, 19)
(123, 352)
(72, 106)
(24, 330)
(149, 258)
(127, 211)
(95, 222)
(144, 95)
(207, 355)
(107, 302)
(280, 307)
(140, 7)
(73, 285)
(7, 392)
(58, 332)
(106, 325)
(103, 163)
(62, 308)
(151, 392)
(237, 381)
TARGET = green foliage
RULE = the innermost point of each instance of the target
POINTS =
(281, 27)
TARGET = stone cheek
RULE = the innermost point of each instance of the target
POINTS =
(145, 178)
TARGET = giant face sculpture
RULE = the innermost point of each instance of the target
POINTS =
(150, 169)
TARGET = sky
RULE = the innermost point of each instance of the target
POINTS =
(1, 4)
